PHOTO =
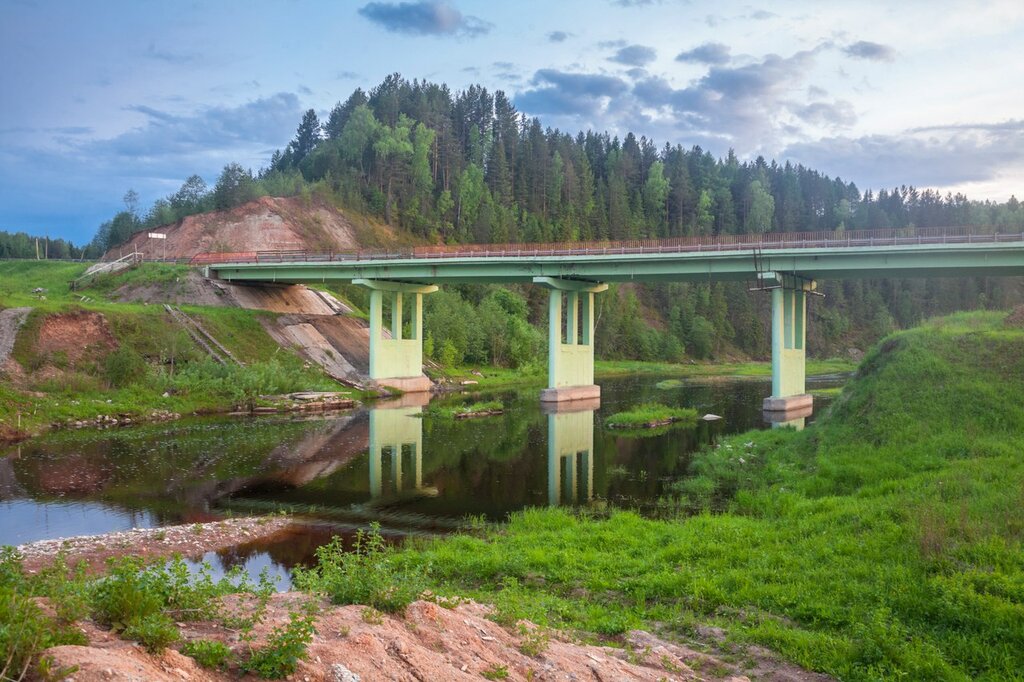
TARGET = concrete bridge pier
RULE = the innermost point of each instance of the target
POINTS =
(789, 341)
(570, 339)
(397, 362)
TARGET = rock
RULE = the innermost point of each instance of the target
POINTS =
(710, 417)
(339, 673)
(469, 382)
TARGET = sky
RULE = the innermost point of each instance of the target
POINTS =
(104, 96)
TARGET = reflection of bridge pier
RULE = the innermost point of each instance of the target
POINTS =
(797, 418)
(396, 437)
(571, 451)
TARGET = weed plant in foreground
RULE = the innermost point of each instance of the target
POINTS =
(883, 542)
(143, 603)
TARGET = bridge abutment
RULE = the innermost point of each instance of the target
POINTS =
(789, 341)
(397, 362)
(570, 339)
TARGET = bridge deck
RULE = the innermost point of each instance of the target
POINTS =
(828, 255)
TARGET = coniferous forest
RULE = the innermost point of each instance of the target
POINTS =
(466, 166)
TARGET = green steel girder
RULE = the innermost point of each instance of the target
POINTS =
(932, 260)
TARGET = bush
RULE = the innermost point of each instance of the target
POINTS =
(25, 630)
(124, 367)
(368, 575)
(285, 647)
(208, 653)
(155, 631)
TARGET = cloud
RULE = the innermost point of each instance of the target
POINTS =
(559, 36)
(750, 107)
(427, 18)
(836, 114)
(865, 49)
(762, 15)
(708, 53)
(635, 3)
(932, 156)
(154, 158)
(559, 92)
(265, 121)
(635, 55)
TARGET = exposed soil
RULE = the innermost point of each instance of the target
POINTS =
(11, 320)
(191, 540)
(427, 643)
(266, 224)
(77, 335)
(1015, 318)
(189, 289)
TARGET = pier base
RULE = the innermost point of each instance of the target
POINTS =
(570, 393)
(790, 403)
(418, 384)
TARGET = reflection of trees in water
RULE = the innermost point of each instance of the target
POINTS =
(155, 467)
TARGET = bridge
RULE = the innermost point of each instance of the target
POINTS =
(788, 265)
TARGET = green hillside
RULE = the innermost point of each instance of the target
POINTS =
(886, 541)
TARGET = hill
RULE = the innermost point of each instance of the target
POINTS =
(885, 541)
(264, 224)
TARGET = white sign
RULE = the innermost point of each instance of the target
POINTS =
(157, 235)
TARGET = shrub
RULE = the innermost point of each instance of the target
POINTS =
(155, 631)
(124, 367)
(208, 653)
(368, 575)
(25, 630)
(285, 647)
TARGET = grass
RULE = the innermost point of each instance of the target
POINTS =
(651, 415)
(886, 541)
(473, 409)
(144, 603)
(608, 368)
(156, 357)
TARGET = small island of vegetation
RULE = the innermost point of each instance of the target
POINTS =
(479, 409)
(651, 415)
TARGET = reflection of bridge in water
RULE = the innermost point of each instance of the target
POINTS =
(395, 450)
(571, 451)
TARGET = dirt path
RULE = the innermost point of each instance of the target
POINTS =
(11, 320)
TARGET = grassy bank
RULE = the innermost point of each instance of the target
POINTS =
(536, 375)
(132, 360)
(884, 542)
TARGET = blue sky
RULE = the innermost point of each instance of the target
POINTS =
(99, 97)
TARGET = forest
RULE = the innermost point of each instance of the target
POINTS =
(466, 166)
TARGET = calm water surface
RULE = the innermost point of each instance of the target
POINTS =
(386, 464)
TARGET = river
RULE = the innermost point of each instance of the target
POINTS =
(387, 464)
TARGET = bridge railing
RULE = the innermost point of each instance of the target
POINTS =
(702, 243)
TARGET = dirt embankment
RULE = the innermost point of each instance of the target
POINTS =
(313, 322)
(265, 224)
(427, 643)
(72, 337)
